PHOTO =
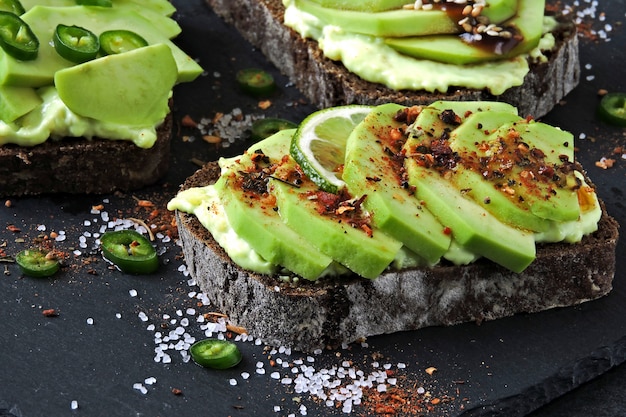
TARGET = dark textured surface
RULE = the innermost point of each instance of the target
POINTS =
(327, 83)
(507, 367)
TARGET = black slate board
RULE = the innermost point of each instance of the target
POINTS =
(508, 367)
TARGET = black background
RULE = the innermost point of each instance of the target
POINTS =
(508, 367)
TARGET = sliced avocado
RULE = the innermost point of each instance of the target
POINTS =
(43, 22)
(388, 23)
(371, 6)
(370, 171)
(471, 225)
(16, 102)
(131, 88)
(531, 174)
(368, 255)
(157, 11)
(466, 108)
(527, 23)
(256, 220)
(464, 139)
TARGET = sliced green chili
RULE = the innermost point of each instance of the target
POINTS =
(37, 263)
(264, 128)
(612, 109)
(130, 251)
(76, 44)
(215, 353)
(13, 6)
(101, 3)
(118, 41)
(16, 37)
(256, 82)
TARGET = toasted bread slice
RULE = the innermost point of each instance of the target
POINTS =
(328, 83)
(328, 312)
(82, 166)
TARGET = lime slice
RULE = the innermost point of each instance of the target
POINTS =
(319, 144)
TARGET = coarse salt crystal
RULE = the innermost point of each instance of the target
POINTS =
(133, 293)
(89, 320)
(74, 405)
(232, 381)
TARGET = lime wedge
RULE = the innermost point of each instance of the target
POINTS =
(318, 145)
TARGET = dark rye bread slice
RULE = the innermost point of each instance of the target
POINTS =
(81, 166)
(341, 310)
(327, 83)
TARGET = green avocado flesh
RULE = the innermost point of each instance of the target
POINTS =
(365, 254)
(362, 5)
(452, 180)
(43, 22)
(156, 11)
(130, 88)
(16, 102)
(527, 24)
(116, 97)
(254, 217)
(372, 172)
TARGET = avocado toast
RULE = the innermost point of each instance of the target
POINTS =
(81, 121)
(448, 213)
(316, 42)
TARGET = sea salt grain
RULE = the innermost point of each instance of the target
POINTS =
(133, 293)
(74, 405)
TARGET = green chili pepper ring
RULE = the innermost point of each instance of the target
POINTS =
(16, 37)
(36, 263)
(612, 109)
(117, 41)
(215, 353)
(13, 6)
(256, 82)
(130, 251)
(76, 44)
(264, 128)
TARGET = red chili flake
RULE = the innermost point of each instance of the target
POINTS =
(187, 121)
(177, 391)
(447, 231)
(13, 228)
(50, 312)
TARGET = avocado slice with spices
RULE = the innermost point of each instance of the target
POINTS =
(528, 162)
(483, 43)
(252, 211)
(334, 223)
(373, 168)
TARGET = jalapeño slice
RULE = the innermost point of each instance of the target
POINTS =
(76, 44)
(100, 3)
(256, 82)
(118, 41)
(264, 128)
(612, 109)
(37, 263)
(13, 6)
(215, 353)
(16, 37)
(130, 251)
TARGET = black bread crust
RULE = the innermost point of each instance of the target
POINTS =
(329, 312)
(83, 166)
(327, 83)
